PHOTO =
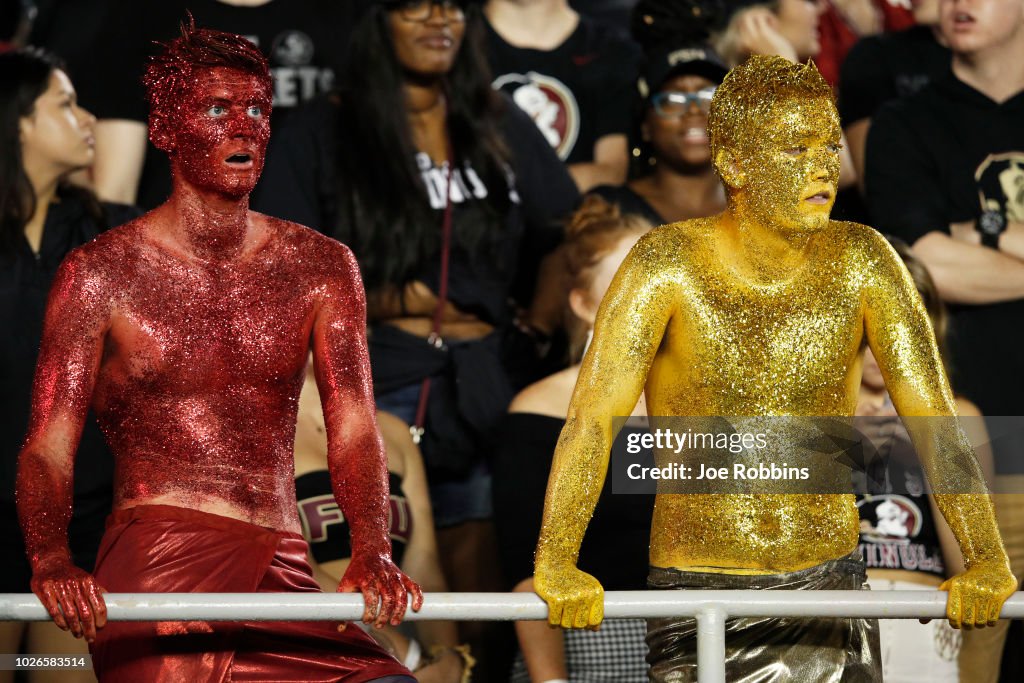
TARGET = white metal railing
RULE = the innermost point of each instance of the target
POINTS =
(710, 607)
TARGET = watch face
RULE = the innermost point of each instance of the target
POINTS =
(991, 223)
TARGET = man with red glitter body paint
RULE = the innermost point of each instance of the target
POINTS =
(187, 331)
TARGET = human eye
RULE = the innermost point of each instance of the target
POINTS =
(255, 111)
(796, 150)
(217, 111)
(836, 147)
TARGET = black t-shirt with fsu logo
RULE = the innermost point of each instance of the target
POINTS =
(945, 155)
(577, 93)
(305, 41)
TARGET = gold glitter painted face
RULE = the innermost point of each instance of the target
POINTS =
(790, 170)
(775, 135)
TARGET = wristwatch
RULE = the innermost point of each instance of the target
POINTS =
(991, 224)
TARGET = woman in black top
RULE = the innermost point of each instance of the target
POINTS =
(673, 178)
(44, 136)
(415, 134)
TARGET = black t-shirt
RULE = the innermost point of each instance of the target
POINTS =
(577, 93)
(615, 548)
(305, 41)
(941, 157)
(70, 29)
(300, 184)
(24, 285)
(629, 201)
(886, 67)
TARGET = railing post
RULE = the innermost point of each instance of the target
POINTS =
(711, 645)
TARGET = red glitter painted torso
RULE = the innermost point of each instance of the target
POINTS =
(187, 331)
(197, 390)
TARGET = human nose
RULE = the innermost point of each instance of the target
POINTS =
(86, 120)
(241, 124)
(824, 164)
(438, 15)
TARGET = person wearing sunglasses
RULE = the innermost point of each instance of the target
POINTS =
(675, 179)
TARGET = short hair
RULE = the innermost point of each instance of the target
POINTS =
(169, 73)
(748, 93)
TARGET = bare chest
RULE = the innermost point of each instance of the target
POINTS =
(249, 323)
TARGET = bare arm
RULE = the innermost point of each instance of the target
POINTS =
(970, 273)
(543, 647)
(901, 338)
(355, 452)
(974, 427)
(856, 142)
(120, 152)
(77, 319)
(421, 561)
(630, 324)
(848, 173)
(611, 161)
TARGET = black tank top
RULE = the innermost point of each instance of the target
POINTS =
(325, 527)
(897, 526)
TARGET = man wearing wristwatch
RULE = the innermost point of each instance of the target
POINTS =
(944, 170)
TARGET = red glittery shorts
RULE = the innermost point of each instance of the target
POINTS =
(167, 549)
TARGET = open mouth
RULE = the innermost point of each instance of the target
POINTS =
(821, 198)
(962, 20)
(438, 41)
(696, 134)
(239, 160)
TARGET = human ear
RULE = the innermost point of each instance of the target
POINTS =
(159, 135)
(729, 169)
(579, 304)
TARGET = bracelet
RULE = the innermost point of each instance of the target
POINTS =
(468, 661)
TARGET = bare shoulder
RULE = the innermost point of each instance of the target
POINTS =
(965, 408)
(667, 239)
(549, 396)
(106, 260)
(859, 238)
(321, 255)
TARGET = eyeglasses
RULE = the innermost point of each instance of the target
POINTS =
(673, 105)
(422, 10)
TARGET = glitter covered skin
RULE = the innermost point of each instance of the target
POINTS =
(762, 310)
(187, 331)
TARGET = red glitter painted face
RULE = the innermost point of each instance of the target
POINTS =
(217, 136)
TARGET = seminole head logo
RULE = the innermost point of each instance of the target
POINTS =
(1000, 180)
(889, 518)
(549, 103)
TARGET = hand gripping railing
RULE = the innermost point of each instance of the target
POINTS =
(710, 607)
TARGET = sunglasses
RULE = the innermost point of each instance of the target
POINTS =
(422, 10)
(673, 105)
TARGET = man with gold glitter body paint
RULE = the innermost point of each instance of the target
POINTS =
(762, 311)
(187, 330)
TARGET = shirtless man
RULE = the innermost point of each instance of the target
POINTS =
(187, 331)
(762, 310)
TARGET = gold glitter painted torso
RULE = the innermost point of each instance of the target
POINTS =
(761, 311)
(785, 347)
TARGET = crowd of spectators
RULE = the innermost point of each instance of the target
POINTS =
(449, 143)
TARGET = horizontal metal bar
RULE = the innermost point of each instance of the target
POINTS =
(508, 606)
